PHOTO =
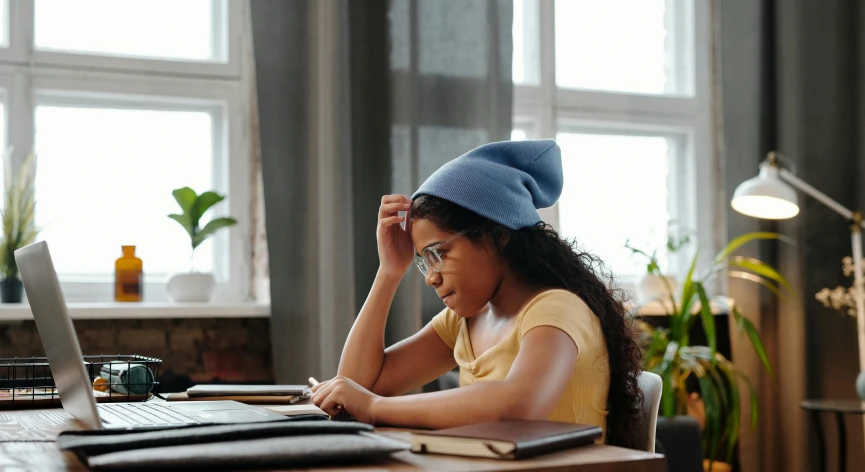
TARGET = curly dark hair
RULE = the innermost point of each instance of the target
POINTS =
(541, 258)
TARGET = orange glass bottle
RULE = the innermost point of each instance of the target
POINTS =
(128, 277)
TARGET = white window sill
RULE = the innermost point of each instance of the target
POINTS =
(144, 310)
(719, 305)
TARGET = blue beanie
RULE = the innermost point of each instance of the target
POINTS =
(506, 182)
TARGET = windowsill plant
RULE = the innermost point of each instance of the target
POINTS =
(18, 218)
(196, 286)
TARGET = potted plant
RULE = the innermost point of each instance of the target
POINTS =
(684, 366)
(18, 217)
(195, 286)
(653, 284)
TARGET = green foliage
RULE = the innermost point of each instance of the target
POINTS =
(669, 353)
(193, 206)
(18, 216)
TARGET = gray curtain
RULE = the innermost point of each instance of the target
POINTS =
(791, 79)
(357, 100)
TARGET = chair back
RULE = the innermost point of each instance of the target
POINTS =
(651, 385)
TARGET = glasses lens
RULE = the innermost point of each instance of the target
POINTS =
(433, 260)
(421, 265)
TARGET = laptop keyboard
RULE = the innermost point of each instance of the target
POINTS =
(142, 414)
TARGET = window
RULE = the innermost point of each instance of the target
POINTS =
(4, 23)
(117, 125)
(167, 29)
(623, 85)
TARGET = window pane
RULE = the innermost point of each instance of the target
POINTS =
(518, 135)
(615, 190)
(165, 29)
(104, 179)
(525, 31)
(4, 23)
(621, 45)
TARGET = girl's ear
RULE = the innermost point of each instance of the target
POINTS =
(497, 239)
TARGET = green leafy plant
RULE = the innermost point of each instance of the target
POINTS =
(676, 241)
(193, 207)
(669, 353)
(18, 215)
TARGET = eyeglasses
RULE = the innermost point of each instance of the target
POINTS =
(431, 258)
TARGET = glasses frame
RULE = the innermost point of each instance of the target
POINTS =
(421, 260)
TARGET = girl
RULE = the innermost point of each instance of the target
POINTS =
(534, 330)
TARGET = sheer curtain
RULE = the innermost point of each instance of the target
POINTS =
(357, 100)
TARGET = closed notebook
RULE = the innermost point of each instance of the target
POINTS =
(249, 399)
(512, 439)
(247, 390)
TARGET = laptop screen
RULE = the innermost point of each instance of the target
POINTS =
(57, 332)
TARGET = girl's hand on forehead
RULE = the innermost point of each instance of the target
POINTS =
(395, 248)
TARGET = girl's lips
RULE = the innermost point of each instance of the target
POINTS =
(444, 298)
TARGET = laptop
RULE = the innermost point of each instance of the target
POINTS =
(70, 376)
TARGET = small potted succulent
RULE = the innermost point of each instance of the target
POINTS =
(195, 286)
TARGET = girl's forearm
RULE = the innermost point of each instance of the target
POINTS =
(481, 402)
(363, 353)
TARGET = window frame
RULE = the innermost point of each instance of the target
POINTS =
(687, 116)
(28, 80)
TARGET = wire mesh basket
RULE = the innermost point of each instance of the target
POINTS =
(27, 381)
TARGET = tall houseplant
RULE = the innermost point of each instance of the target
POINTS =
(670, 353)
(195, 286)
(18, 217)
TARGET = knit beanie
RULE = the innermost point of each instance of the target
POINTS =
(506, 181)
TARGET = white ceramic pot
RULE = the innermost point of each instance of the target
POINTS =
(191, 287)
(652, 287)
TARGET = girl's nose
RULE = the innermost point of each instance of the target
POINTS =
(432, 278)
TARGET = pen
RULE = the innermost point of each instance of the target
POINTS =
(313, 382)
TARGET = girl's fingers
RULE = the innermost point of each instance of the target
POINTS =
(391, 220)
(320, 392)
(330, 405)
(395, 199)
(392, 208)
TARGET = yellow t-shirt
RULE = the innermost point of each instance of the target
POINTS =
(585, 398)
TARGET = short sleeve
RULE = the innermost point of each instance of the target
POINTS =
(565, 311)
(447, 326)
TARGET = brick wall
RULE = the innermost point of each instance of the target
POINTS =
(192, 350)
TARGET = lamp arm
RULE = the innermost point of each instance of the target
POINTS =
(818, 195)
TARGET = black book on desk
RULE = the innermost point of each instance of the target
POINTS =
(513, 439)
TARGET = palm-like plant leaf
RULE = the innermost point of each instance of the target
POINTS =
(738, 274)
(754, 336)
(708, 319)
(745, 239)
(762, 269)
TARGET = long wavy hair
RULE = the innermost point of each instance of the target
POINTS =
(539, 257)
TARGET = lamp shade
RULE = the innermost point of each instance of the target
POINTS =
(766, 196)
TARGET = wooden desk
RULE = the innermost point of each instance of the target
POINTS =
(26, 440)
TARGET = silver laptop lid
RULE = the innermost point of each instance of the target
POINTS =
(57, 333)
